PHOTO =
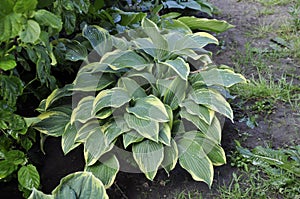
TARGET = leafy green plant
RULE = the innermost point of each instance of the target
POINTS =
(275, 173)
(78, 185)
(154, 94)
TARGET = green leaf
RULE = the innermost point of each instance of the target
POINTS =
(115, 128)
(16, 157)
(170, 156)
(115, 97)
(203, 112)
(52, 123)
(191, 4)
(80, 185)
(7, 168)
(86, 81)
(160, 43)
(151, 108)
(220, 77)
(23, 6)
(213, 150)
(193, 159)
(88, 128)
(58, 94)
(75, 51)
(175, 92)
(195, 41)
(176, 25)
(69, 21)
(179, 66)
(105, 170)
(131, 137)
(148, 155)
(120, 60)
(165, 134)
(31, 32)
(36, 194)
(213, 100)
(134, 89)
(10, 26)
(7, 64)
(128, 18)
(195, 119)
(29, 177)
(95, 146)
(147, 128)
(99, 38)
(10, 88)
(83, 111)
(68, 139)
(44, 17)
(213, 25)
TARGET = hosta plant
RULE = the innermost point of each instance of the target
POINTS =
(79, 185)
(145, 100)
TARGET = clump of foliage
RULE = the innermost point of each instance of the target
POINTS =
(276, 169)
(154, 95)
(147, 94)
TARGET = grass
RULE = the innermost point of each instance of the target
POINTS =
(274, 2)
(264, 173)
(188, 194)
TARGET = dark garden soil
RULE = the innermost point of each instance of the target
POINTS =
(277, 129)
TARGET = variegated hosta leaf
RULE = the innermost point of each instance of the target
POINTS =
(179, 66)
(95, 146)
(134, 89)
(193, 159)
(86, 81)
(80, 185)
(149, 108)
(213, 130)
(115, 98)
(99, 38)
(148, 155)
(195, 41)
(52, 123)
(213, 150)
(58, 94)
(105, 170)
(36, 194)
(160, 43)
(83, 111)
(170, 156)
(195, 119)
(165, 134)
(104, 113)
(85, 130)
(75, 51)
(68, 139)
(203, 112)
(206, 24)
(213, 100)
(177, 26)
(114, 128)
(147, 128)
(170, 114)
(97, 67)
(131, 137)
(175, 93)
(148, 77)
(220, 77)
(120, 60)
